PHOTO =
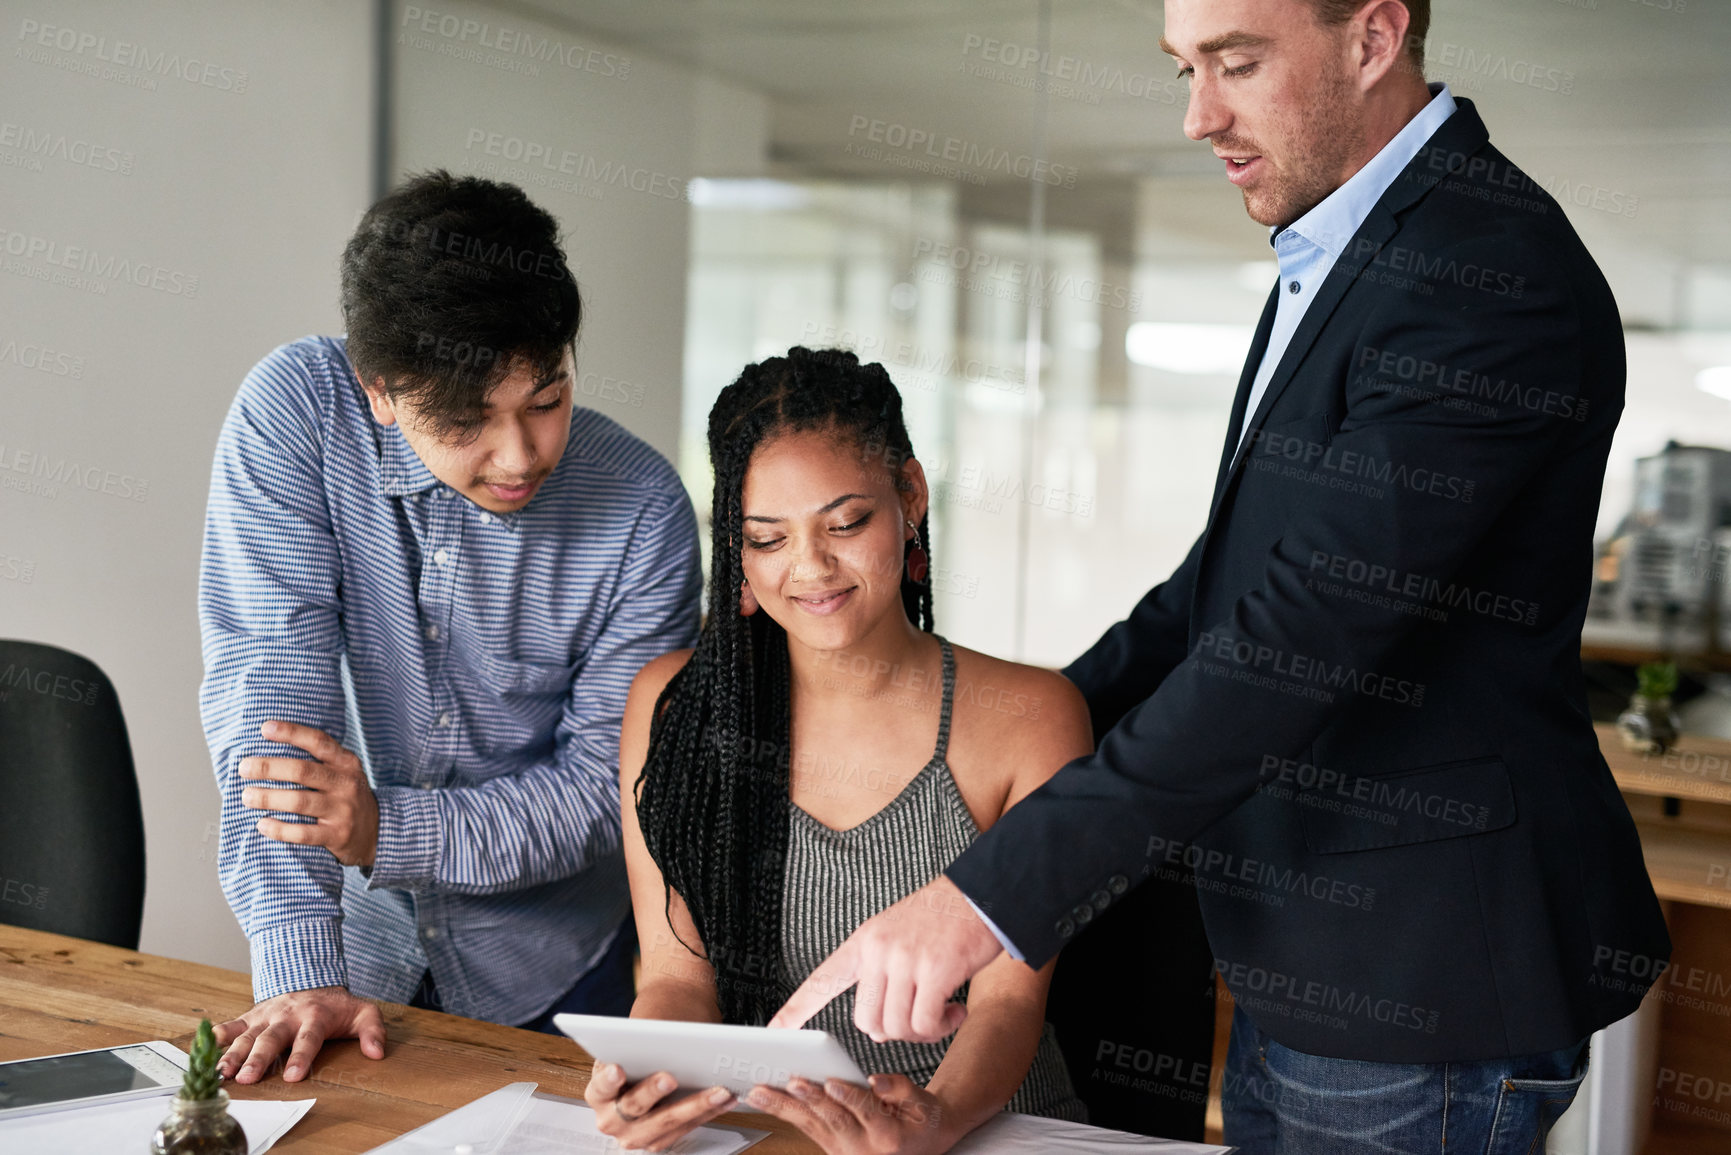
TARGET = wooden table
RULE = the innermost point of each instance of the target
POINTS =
(66, 994)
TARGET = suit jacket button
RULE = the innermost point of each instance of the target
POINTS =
(1065, 928)
(1083, 914)
(1118, 884)
(1101, 900)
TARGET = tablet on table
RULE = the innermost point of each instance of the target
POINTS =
(704, 1055)
(86, 1078)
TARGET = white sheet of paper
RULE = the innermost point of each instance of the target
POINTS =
(478, 1127)
(559, 1126)
(265, 1121)
(1031, 1135)
(518, 1119)
(127, 1127)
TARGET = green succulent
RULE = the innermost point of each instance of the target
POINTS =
(202, 1080)
(1656, 679)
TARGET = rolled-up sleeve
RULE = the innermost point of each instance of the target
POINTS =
(268, 617)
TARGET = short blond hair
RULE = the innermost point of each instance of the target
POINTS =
(1340, 11)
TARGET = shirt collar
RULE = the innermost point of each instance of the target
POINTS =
(401, 470)
(1331, 225)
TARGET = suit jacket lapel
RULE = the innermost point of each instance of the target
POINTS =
(1444, 155)
(1453, 144)
(1246, 377)
(1376, 230)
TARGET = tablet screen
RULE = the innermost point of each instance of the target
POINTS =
(700, 1055)
(36, 1082)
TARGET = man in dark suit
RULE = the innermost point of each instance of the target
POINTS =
(1356, 709)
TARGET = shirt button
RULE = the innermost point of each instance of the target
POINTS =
(1083, 914)
(430, 932)
(1101, 900)
(1065, 928)
(432, 632)
(485, 517)
(441, 557)
(445, 718)
(1293, 287)
(1117, 884)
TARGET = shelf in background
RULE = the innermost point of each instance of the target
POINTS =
(1716, 661)
(1670, 1137)
(1688, 865)
(1697, 767)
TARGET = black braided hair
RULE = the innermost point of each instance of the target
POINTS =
(712, 799)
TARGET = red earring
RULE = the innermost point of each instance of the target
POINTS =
(918, 564)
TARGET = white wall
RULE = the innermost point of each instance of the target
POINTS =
(248, 177)
(604, 138)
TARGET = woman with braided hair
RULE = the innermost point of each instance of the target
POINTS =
(820, 755)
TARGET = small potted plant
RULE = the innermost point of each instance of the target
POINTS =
(199, 1122)
(1649, 725)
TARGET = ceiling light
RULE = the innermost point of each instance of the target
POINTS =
(1716, 381)
(1189, 347)
(762, 195)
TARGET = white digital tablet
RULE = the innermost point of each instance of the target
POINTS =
(84, 1078)
(704, 1055)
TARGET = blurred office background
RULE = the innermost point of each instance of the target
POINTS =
(992, 197)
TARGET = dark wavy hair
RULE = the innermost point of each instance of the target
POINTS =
(449, 282)
(712, 799)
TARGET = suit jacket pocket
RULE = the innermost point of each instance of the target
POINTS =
(1449, 800)
(1299, 440)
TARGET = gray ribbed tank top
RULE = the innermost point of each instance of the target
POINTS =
(836, 879)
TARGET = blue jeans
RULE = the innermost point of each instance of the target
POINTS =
(606, 989)
(1278, 1101)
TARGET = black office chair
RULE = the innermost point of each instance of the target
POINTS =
(71, 827)
(1132, 1003)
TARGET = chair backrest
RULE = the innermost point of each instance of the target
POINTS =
(71, 827)
(1132, 1002)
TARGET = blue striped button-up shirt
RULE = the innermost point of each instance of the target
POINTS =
(477, 663)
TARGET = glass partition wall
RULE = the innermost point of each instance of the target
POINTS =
(996, 200)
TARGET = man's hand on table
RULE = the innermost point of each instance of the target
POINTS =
(298, 1022)
(337, 794)
(907, 962)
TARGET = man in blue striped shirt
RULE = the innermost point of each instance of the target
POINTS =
(428, 581)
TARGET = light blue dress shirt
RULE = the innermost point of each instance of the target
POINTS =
(1310, 246)
(1307, 249)
(477, 663)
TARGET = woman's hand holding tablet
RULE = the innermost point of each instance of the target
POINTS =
(655, 1080)
(894, 1114)
(651, 1085)
(641, 1115)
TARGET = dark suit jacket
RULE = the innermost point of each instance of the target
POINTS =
(1357, 708)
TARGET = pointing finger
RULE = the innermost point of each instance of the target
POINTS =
(833, 976)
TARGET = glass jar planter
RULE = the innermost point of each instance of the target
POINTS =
(199, 1127)
(1649, 725)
